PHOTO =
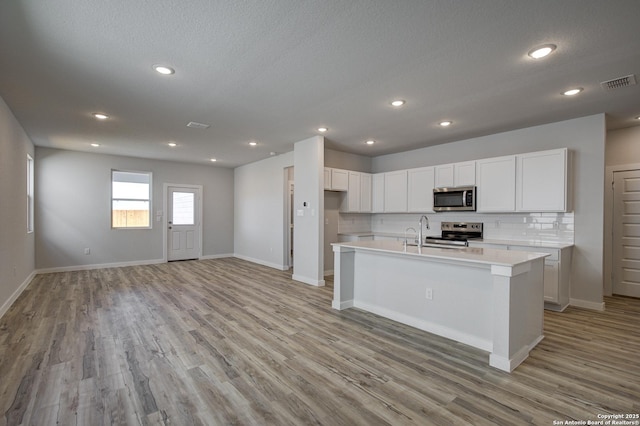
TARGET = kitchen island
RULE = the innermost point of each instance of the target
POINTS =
(487, 298)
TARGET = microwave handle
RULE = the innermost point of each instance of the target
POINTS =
(464, 198)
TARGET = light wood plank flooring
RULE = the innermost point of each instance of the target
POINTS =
(230, 342)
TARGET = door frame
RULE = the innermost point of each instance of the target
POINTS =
(163, 216)
(608, 223)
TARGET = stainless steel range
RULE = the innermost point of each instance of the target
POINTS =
(455, 234)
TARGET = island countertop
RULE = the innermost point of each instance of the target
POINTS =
(485, 256)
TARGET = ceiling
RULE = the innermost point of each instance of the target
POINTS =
(273, 71)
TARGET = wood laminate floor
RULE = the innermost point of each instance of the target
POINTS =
(230, 342)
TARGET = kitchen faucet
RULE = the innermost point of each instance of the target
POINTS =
(420, 242)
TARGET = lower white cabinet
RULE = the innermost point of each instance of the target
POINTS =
(557, 272)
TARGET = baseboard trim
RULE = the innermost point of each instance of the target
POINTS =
(14, 296)
(594, 306)
(328, 272)
(215, 256)
(261, 262)
(99, 266)
(306, 280)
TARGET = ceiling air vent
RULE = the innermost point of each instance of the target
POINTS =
(196, 125)
(617, 83)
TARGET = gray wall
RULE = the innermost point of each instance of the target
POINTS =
(73, 209)
(16, 245)
(260, 219)
(585, 137)
(347, 161)
(623, 146)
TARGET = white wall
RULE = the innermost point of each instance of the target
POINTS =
(308, 261)
(17, 262)
(585, 137)
(259, 206)
(73, 209)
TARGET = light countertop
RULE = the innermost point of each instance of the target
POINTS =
(485, 256)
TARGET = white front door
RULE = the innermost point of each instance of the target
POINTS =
(626, 233)
(183, 223)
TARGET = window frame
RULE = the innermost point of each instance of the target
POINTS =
(149, 200)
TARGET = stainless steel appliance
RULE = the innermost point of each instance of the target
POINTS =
(456, 234)
(460, 198)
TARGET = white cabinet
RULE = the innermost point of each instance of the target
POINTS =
(395, 192)
(420, 190)
(365, 193)
(542, 181)
(464, 174)
(444, 176)
(496, 185)
(336, 179)
(557, 271)
(455, 174)
(377, 193)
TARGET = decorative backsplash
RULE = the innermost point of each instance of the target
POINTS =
(551, 227)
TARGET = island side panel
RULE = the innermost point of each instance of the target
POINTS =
(395, 286)
(518, 313)
(343, 277)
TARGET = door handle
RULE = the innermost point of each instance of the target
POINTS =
(170, 227)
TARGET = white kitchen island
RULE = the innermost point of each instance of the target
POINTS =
(487, 298)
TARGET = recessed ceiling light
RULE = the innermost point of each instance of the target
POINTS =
(446, 123)
(638, 117)
(253, 143)
(164, 70)
(323, 129)
(541, 51)
(100, 116)
(95, 145)
(370, 142)
(397, 103)
(172, 144)
(213, 160)
(573, 92)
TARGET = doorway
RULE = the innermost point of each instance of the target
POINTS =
(626, 233)
(183, 230)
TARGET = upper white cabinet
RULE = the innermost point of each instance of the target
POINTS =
(420, 190)
(496, 184)
(336, 179)
(377, 193)
(455, 174)
(464, 174)
(365, 193)
(444, 176)
(542, 181)
(395, 192)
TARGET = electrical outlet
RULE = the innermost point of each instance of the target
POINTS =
(429, 294)
(87, 251)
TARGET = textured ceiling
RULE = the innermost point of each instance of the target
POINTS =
(273, 71)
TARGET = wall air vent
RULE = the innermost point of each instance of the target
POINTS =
(617, 83)
(196, 125)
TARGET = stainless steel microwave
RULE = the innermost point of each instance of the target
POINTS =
(461, 198)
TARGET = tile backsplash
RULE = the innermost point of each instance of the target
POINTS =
(550, 227)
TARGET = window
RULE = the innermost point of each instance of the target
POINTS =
(130, 199)
(30, 203)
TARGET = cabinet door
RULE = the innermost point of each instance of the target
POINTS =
(327, 178)
(542, 181)
(353, 193)
(378, 193)
(395, 192)
(551, 281)
(339, 180)
(420, 190)
(444, 176)
(464, 174)
(365, 192)
(496, 184)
